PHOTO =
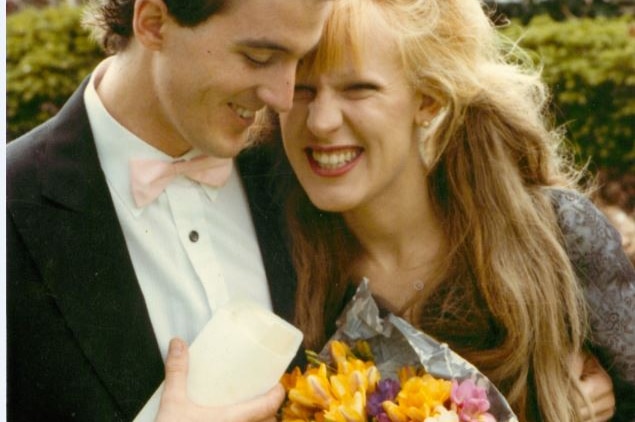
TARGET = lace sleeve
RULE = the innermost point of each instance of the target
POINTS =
(608, 279)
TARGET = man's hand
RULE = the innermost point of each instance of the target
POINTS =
(176, 406)
(596, 385)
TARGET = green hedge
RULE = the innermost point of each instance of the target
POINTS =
(48, 54)
(590, 65)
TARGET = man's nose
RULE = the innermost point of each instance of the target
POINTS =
(277, 92)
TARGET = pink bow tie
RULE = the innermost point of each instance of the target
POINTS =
(148, 178)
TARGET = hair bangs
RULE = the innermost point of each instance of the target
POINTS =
(343, 39)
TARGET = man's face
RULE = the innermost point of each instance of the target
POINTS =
(210, 80)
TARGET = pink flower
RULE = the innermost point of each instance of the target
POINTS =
(471, 402)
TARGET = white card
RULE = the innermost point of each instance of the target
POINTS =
(241, 353)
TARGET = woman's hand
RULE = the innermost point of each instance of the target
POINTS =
(176, 406)
(596, 385)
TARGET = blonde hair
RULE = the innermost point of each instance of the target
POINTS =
(509, 300)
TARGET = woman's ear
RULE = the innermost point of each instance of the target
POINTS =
(148, 21)
(428, 110)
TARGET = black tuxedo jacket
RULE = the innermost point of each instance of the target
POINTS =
(80, 345)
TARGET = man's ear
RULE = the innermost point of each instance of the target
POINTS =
(148, 21)
(428, 109)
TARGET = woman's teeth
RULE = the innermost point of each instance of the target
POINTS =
(334, 159)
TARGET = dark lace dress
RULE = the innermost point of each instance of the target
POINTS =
(608, 278)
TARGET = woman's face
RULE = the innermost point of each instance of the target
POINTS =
(351, 135)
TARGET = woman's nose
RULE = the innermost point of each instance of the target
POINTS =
(324, 115)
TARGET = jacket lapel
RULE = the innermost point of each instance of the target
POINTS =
(91, 278)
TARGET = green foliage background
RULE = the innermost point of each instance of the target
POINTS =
(48, 54)
(589, 63)
(590, 66)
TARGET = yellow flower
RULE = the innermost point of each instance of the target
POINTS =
(352, 373)
(373, 376)
(339, 386)
(419, 399)
(294, 412)
(350, 409)
(425, 390)
(319, 395)
(290, 379)
(394, 412)
(339, 351)
(312, 389)
(405, 373)
(363, 350)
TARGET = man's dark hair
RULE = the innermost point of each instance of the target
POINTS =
(111, 20)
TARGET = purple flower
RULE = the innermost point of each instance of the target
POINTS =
(386, 390)
(383, 417)
(471, 401)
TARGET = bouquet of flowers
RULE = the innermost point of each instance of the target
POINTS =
(384, 370)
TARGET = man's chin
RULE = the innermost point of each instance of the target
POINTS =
(227, 152)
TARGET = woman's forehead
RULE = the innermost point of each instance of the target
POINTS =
(349, 48)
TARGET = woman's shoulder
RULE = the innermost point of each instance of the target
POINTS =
(584, 227)
(574, 209)
(593, 244)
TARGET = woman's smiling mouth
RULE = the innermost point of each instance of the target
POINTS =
(333, 161)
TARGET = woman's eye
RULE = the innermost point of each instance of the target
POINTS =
(362, 87)
(303, 92)
(360, 90)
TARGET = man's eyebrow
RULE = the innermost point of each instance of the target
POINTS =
(264, 44)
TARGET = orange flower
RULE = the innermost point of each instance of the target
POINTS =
(419, 398)
(290, 379)
(337, 397)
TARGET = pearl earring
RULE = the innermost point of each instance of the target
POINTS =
(424, 123)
